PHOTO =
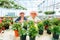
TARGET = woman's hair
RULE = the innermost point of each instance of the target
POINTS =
(22, 13)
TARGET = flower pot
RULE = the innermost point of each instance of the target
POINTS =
(32, 38)
(16, 33)
(23, 37)
(46, 27)
(40, 32)
(3, 28)
(55, 36)
(48, 31)
(0, 30)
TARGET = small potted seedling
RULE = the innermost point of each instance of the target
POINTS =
(56, 32)
(40, 27)
(23, 32)
(33, 30)
(15, 27)
(46, 23)
(1, 24)
(49, 30)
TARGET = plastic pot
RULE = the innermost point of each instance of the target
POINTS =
(48, 31)
(40, 32)
(25, 27)
(32, 38)
(55, 36)
(23, 37)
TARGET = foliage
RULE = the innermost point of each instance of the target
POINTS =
(31, 23)
(7, 20)
(56, 29)
(1, 24)
(55, 21)
(49, 12)
(10, 4)
(25, 23)
(22, 31)
(40, 25)
(15, 26)
(47, 22)
(32, 31)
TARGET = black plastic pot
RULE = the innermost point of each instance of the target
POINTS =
(23, 37)
(32, 38)
(48, 31)
(55, 36)
(25, 27)
(40, 32)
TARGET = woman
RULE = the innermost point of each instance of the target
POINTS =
(21, 18)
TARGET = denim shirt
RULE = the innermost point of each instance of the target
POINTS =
(19, 18)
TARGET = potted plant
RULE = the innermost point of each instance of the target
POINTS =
(40, 27)
(23, 33)
(15, 27)
(46, 23)
(55, 21)
(49, 30)
(33, 30)
(49, 12)
(1, 24)
(56, 32)
(7, 20)
(5, 26)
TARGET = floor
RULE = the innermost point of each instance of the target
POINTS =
(45, 36)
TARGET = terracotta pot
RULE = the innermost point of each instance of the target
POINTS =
(46, 27)
(0, 30)
(3, 28)
(16, 33)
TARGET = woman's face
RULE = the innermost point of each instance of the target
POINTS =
(22, 14)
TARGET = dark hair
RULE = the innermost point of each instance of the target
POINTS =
(22, 13)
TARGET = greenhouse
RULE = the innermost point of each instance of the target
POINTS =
(29, 19)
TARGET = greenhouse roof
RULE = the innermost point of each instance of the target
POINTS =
(39, 4)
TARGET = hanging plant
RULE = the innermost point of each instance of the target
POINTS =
(49, 12)
(10, 4)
